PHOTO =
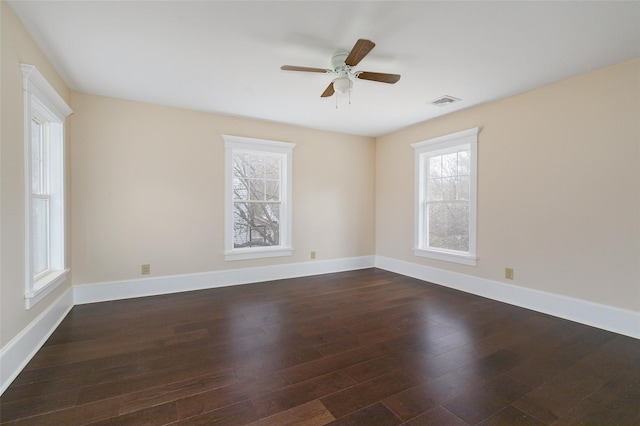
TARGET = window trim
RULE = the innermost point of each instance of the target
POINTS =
(42, 101)
(466, 137)
(238, 143)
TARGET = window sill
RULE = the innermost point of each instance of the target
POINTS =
(45, 285)
(447, 256)
(257, 253)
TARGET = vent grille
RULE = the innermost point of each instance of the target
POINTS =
(444, 101)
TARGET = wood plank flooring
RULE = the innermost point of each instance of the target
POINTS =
(363, 347)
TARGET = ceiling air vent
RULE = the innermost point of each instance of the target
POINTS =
(444, 101)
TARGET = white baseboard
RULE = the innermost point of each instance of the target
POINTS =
(116, 290)
(15, 355)
(606, 317)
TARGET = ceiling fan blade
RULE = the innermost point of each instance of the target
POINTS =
(359, 51)
(329, 91)
(379, 76)
(305, 69)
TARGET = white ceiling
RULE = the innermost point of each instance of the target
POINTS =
(225, 57)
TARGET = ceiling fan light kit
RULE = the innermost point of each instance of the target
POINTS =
(342, 84)
(342, 64)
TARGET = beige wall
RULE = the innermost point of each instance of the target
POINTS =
(17, 47)
(558, 187)
(148, 187)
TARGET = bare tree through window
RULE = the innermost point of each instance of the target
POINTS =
(448, 200)
(256, 199)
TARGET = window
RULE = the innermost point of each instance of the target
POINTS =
(445, 218)
(45, 112)
(258, 198)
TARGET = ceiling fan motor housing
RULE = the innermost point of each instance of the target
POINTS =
(337, 61)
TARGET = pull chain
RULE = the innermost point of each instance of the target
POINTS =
(336, 96)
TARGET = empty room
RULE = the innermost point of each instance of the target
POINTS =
(310, 212)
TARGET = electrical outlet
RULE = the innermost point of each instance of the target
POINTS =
(145, 269)
(508, 273)
(313, 254)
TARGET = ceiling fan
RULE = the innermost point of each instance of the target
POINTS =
(343, 63)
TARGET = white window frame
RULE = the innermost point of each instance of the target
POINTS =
(423, 150)
(43, 103)
(236, 144)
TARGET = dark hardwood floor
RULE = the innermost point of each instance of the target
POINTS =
(357, 348)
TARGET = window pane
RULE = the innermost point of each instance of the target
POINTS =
(273, 190)
(241, 165)
(435, 166)
(240, 189)
(449, 188)
(463, 187)
(37, 160)
(40, 236)
(449, 226)
(256, 166)
(464, 167)
(272, 166)
(450, 164)
(435, 190)
(257, 189)
(256, 224)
